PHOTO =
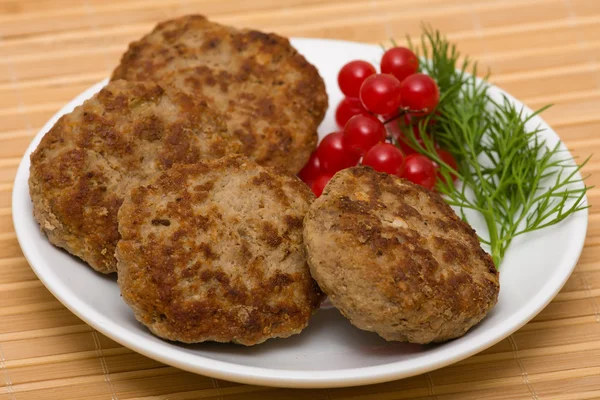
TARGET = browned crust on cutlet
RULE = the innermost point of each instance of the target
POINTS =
(125, 133)
(395, 259)
(273, 98)
(213, 251)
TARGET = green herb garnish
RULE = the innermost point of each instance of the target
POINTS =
(507, 171)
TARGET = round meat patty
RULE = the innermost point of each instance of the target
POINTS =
(84, 165)
(273, 98)
(213, 251)
(395, 259)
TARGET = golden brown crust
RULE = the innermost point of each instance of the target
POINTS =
(125, 133)
(273, 98)
(396, 259)
(213, 251)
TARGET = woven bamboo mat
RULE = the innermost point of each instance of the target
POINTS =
(542, 51)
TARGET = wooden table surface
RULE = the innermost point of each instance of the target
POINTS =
(541, 51)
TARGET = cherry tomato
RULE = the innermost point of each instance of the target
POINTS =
(420, 170)
(352, 75)
(348, 108)
(420, 93)
(446, 157)
(400, 62)
(333, 155)
(363, 132)
(311, 170)
(380, 94)
(320, 183)
(385, 157)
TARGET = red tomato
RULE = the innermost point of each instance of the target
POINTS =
(352, 75)
(320, 183)
(311, 170)
(363, 132)
(385, 157)
(333, 155)
(380, 94)
(420, 170)
(348, 108)
(400, 62)
(420, 93)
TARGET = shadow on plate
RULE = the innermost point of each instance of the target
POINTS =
(328, 326)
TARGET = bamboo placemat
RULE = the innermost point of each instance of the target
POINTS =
(542, 51)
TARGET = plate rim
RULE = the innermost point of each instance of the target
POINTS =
(261, 375)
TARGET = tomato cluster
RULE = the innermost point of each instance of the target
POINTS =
(399, 96)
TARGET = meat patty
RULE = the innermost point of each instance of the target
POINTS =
(84, 165)
(213, 251)
(395, 259)
(273, 98)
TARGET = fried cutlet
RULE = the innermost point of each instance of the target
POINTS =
(125, 133)
(273, 98)
(395, 259)
(213, 252)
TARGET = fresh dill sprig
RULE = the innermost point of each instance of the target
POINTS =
(508, 173)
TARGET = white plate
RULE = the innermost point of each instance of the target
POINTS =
(330, 352)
